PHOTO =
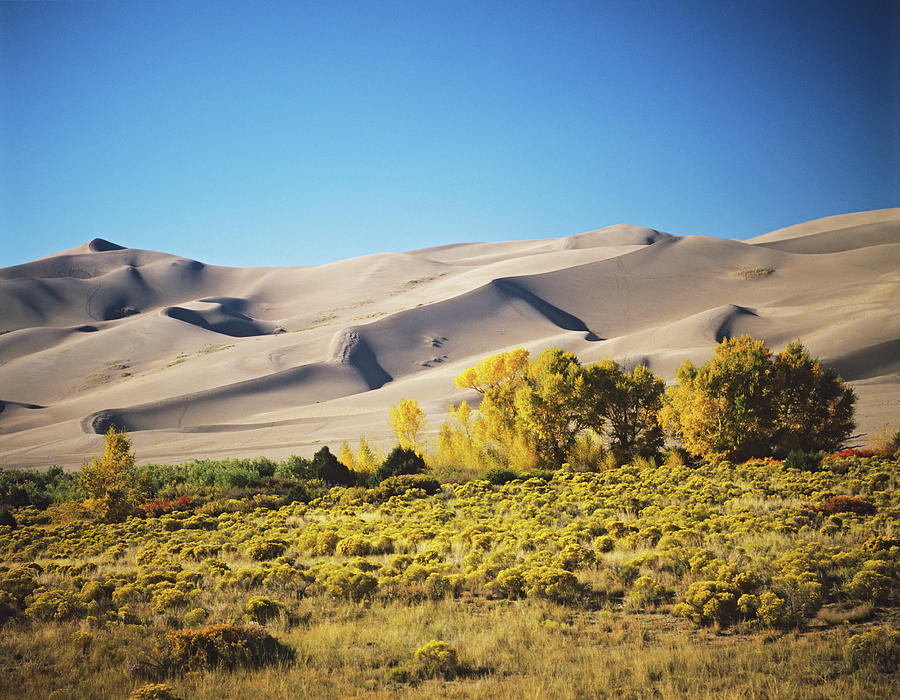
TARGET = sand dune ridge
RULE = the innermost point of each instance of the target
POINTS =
(200, 360)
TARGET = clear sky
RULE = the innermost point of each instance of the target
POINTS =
(291, 133)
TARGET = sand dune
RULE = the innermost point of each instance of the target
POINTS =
(199, 360)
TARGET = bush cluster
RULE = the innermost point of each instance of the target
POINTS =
(217, 646)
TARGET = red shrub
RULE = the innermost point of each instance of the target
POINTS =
(845, 504)
(850, 452)
(153, 509)
(763, 460)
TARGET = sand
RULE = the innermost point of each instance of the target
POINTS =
(204, 361)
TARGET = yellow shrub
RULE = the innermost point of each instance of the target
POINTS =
(437, 658)
(155, 691)
(879, 647)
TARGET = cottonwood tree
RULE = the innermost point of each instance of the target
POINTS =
(536, 411)
(112, 488)
(408, 421)
(346, 456)
(813, 406)
(744, 403)
(366, 460)
(624, 407)
(724, 409)
(492, 435)
(549, 404)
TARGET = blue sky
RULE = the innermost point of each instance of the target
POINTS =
(274, 133)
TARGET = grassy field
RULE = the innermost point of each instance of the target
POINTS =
(710, 580)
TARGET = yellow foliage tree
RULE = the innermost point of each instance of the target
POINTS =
(112, 489)
(531, 410)
(723, 410)
(813, 406)
(346, 457)
(456, 442)
(366, 459)
(479, 441)
(745, 403)
(545, 410)
(550, 404)
(408, 421)
(501, 373)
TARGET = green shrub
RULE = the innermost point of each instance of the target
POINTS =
(264, 466)
(295, 493)
(19, 487)
(295, 467)
(500, 476)
(400, 461)
(329, 469)
(804, 461)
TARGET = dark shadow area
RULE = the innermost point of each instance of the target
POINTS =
(552, 313)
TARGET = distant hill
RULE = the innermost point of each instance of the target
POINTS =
(198, 360)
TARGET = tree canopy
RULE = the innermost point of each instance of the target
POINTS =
(109, 482)
(534, 411)
(746, 403)
(408, 421)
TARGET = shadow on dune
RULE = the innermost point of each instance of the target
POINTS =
(554, 314)
(349, 348)
(19, 404)
(729, 317)
(101, 245)
(226, 317)
(871, 361)
(297, 386)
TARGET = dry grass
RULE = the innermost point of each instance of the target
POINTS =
(526, 649)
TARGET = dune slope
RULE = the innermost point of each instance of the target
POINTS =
(198, 360)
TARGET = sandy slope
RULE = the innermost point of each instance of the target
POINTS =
(200, 360)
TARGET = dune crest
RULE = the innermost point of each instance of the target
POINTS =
(199, 360)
